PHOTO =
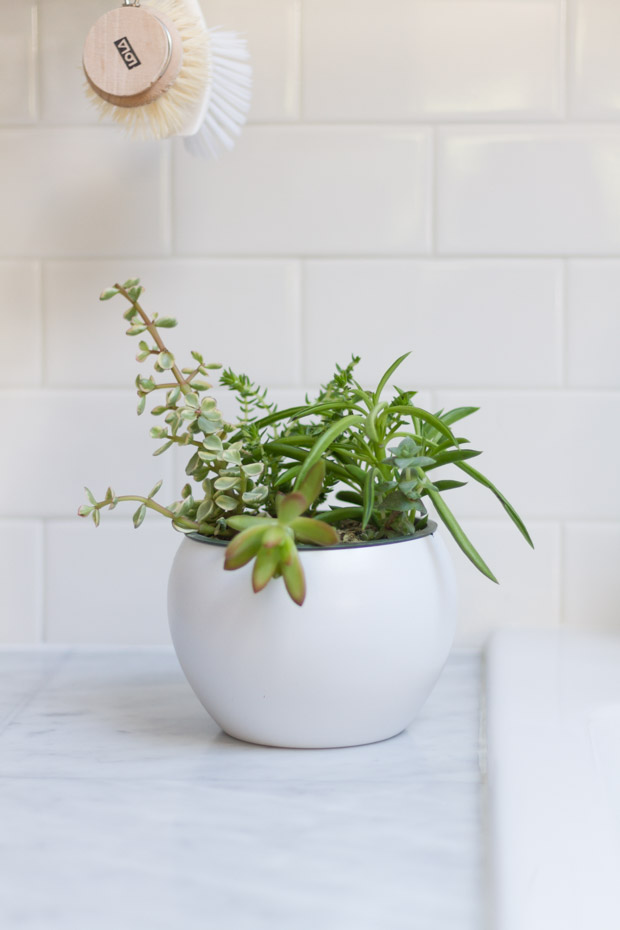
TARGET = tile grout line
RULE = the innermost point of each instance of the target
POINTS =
(41, 580)
(434, 192)
(34, 102)
(562, 573)
(563, 319)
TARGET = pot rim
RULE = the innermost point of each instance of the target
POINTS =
(428, 530)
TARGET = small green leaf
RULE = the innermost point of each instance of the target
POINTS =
(243, 548)
(110, 292)
(368, 496)
(141, 404)
(135, 329)
(314, 531)
(154, 490)
(209, 426)
(173, 395)
(226, 482)
(310, 486)
(253, 469)
(255, 496)
(228, 455)
(290, 506)
(388, 374)
(264, 568)
(166, 360)
(205, 510)
(84, 510)
(512, 513)
(225, 502)
(96, 517)
(212, 444)
(459, 536)
(139, 515)
(166, 322)
(244, 521)
(163, 448)
(90, 496)
(273, 536)
(131, 282)
(293, 575)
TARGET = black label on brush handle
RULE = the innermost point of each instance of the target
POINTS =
(127, 53)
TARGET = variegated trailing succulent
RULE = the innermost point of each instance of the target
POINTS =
(345, 466)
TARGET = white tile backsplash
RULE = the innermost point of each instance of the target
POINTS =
(79, 192)
(465, 323)
(107, 584)
(592, 593)
(20, 324)
(18, 50)
(412, 178)
(528, 593)
(594, 63)
(230, 299)
(63, 440)
(272, 29)
(593, 324)
(319, 191)
(415, 60)
(529, 190)
(533, 451)
(63, 27)
(21, 581)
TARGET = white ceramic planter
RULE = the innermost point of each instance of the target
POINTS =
(353, 665)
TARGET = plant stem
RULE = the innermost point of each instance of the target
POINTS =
(182, 382)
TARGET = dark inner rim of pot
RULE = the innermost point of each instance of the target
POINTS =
(428, 530)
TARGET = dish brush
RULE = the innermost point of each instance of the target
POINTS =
(158, 71)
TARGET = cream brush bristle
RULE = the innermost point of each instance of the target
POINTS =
(157, 71)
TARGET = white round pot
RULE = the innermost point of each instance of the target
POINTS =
(353, 665)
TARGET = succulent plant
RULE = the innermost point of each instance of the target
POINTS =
(346, 464)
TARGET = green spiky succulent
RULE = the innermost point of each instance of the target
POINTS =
(348, 464)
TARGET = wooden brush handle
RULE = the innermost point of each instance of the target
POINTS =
(132, 55)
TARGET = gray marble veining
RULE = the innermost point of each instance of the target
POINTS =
(124, 807)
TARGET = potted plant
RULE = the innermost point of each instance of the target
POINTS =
(345, 480)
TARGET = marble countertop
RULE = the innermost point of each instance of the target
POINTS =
(124, 807)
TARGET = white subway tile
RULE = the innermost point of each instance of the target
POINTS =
(593, 324)
(527, 595)
(594, 67)
(271, 28)
(482, 323)
(108, 585)
(292, 190)
(591, 577)
(18, 52)
(63, 27)
(77, 192)
(20, 324)
(20, 581)
(61, 441)
(546, 190)
(540, 449)
(408, 60)
(244, 314)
